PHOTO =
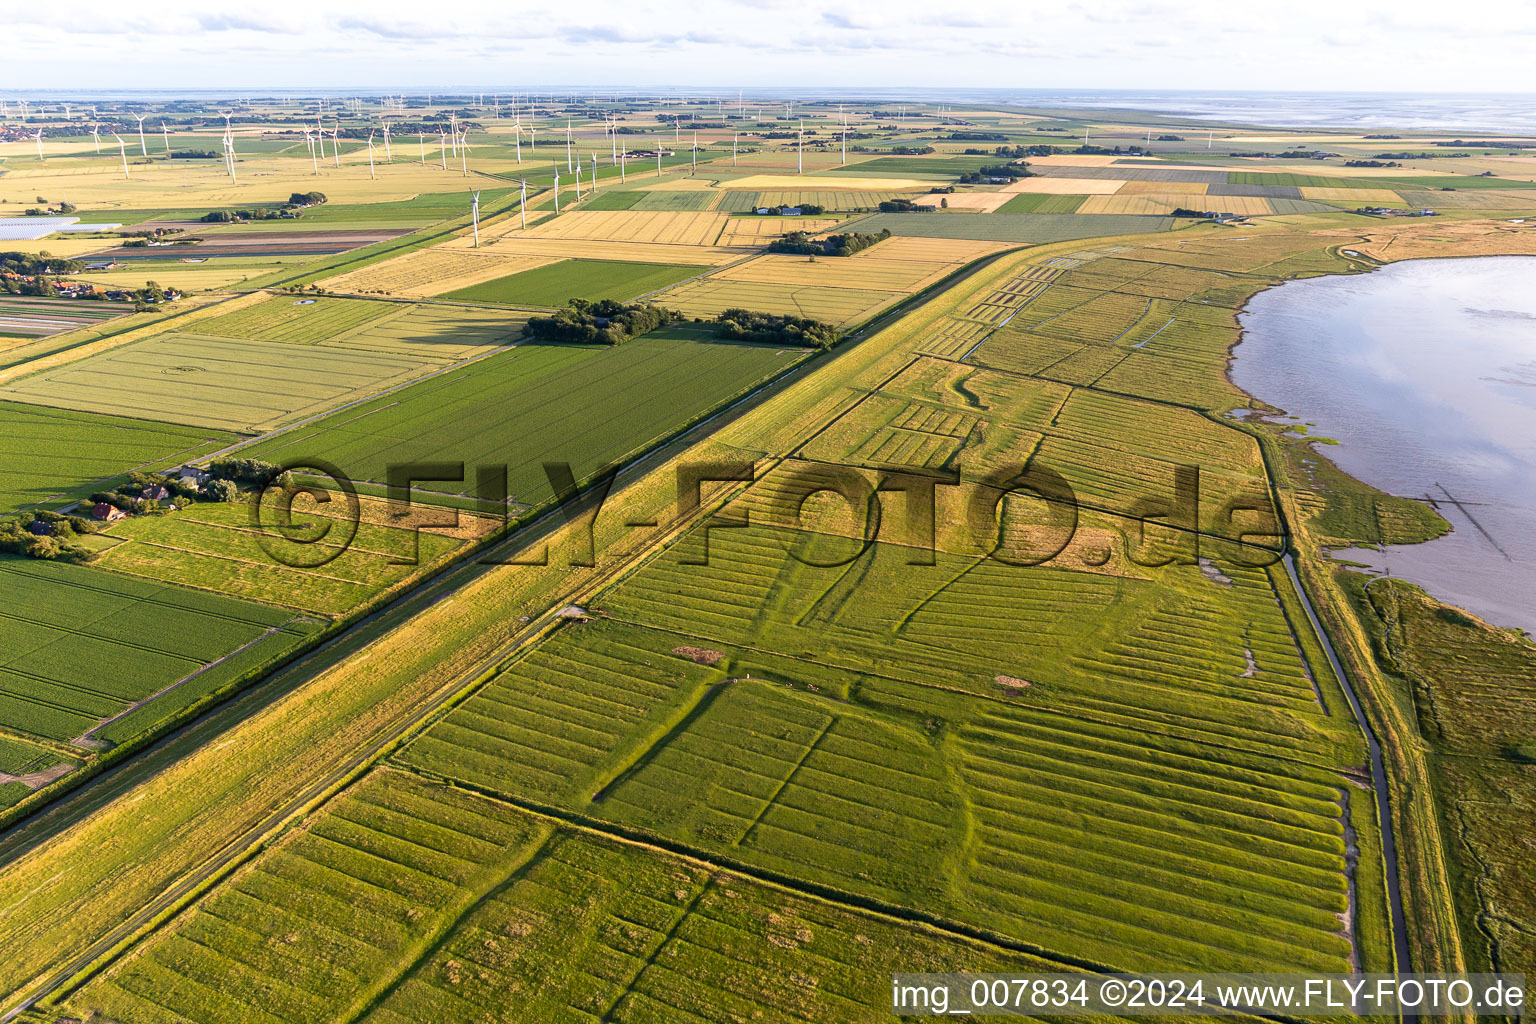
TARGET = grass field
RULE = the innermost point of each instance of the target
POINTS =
(1042, 202)
(83, 646)
(211, 547)
(300, 321)
(537, 403)
(441, 902)
(51, 453)
(557, 283)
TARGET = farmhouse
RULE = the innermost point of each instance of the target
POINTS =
(38, 528)
(156, 492)
(104, 513)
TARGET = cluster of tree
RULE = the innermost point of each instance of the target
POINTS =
(195, 154)
(774, 329)
(63, 210)
(1170, 138)
(910, 150)
(804, 208)
(1185, 211)
(1372, 163)
(56, 540)
(37, 263)
(603, 322)
(27, 265)
(902, 206)
(289, 210)
(847, 244)
(129, 495)
(1483, 144)
(247, 472)
(997, 171)
(977, 137)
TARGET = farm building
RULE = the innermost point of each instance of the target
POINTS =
(156, 492)
(104, 513)
(38, 528)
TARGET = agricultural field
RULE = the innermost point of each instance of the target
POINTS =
(642, 933)
(741, 764)
(428, 272)
(537, 403)
(84, 648)
(25, 317)
(631, 226)
(556, 284)
(1000, 227)
(54, 454)
(222, 383)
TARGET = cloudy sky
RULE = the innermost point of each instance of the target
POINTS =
(382, 45)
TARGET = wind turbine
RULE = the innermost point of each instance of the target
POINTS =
(845, 134)
(320, 130)
(96, 136)
(800, 150)
(624, 166)
(594, 173)
(371, 175)
(557, 187)
(522, 203)
(335, 143)
(734, 139)
(442, 148)
(474, 215)
(453, 130)
(389, 156)
(122, 152)
(39, 139)
(578, 181)
(568, 148)
(166, 134)
(464, 152)
(309, 140)
(421, 146)
(658, 161)
(693, 155)
(142, 148)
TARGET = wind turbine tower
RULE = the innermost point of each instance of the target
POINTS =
(122, 152)
(142, 147)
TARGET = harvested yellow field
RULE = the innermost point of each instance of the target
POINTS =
(61, 246)
(428, 272)
(947, 250)
(1141, 188)
(1243, 206)
(1066, 186)
(840, 306)
(762, 230)
(1151, 205)
(188, 277)
(630, 226)
(1361, 196)
(831, 182)
(981, 202)
(99, 185)
(634, 252)
(843, 272)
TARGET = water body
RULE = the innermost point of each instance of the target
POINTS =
(1425, 371)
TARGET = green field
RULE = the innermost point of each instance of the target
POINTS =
(613, 199)
(48, 453)
(555, 284)
(82, 645)
(576, 404)
(1030, 202)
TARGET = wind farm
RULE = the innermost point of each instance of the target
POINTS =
(473, 587)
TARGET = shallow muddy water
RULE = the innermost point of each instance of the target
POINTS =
(1425, 372)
